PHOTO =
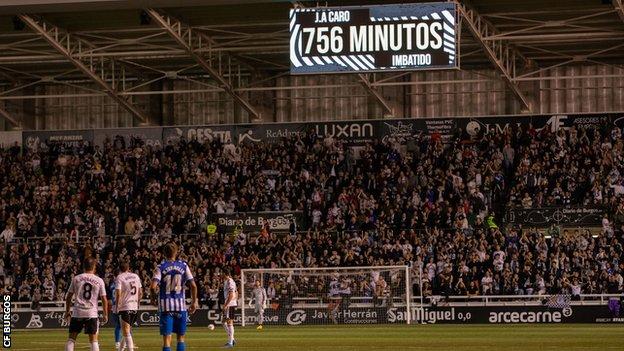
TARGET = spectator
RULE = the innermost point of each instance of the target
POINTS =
(527, 202)
(434, 204)
(8, 233)
(130, 227)
(487, 283)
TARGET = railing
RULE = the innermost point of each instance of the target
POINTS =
(55, 306)
(254, 233)
(27, 240)
(363, 301)
(513, 300)
(251, 234)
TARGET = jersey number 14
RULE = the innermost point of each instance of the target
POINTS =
(173, 283)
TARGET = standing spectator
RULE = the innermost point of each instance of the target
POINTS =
(487, 283)
(8, 233)
(292, 228)
(130, 227)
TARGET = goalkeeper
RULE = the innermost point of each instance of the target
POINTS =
(259, 299)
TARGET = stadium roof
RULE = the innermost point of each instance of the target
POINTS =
(547, 31)
(145, 40)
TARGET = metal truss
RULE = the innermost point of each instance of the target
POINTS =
(503, 56)
(193, 41)
(376, 94)
(7, 116)
(526, 45)
(619, 8)
(99, 70)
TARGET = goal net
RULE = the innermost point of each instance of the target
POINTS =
(353, 295)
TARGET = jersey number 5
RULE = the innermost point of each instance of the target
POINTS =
(173, 283)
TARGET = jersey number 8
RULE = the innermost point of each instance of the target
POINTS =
(86, 291)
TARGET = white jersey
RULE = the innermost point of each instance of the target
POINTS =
(87, 289)
(128, 284)
(259, 296)
(230, 286)
(334, 288)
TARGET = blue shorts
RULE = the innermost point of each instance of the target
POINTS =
(173, 322)
(116, 320)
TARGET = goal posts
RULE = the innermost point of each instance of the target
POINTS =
(341, 295)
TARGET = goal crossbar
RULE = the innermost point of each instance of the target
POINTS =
(358, 268)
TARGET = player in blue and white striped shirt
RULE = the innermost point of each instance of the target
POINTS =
(170, 278)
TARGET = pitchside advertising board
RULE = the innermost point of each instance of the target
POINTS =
(279, 314)
(373, 38)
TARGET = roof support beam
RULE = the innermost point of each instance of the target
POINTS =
(372, 91)
(98, 70)
(619, 8)
(192, 42)
(503, 56)
(4, 114)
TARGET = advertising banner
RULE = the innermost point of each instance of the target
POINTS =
(284, 314)
(544, 217)
(66, 138)
(268, 133)
(402, 130)
(373, 38)
(224, 133)
(151, 136)
(478, 127)
(481, 126)
(349, 132)
(254, 221)
(352, 133)
(9, 139)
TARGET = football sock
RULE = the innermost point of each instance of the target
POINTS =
(95, 346)
(231, 333)
(69, 346)
(166, 348)
(129, 342)
(181, 346)
(227, 329)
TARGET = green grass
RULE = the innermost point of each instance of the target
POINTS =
(367, 338)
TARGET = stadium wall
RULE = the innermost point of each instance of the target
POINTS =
(352, 133)
(466, 93)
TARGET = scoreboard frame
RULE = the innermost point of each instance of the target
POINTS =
(374, 38)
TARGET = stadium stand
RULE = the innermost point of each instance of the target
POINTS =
(312, 175)
(429, 204)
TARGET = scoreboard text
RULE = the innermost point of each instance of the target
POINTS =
(373, 38)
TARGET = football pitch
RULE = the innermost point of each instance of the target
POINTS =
(336, 338)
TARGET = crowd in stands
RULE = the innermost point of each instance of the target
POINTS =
(430, 202)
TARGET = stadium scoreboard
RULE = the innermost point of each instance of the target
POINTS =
(373, 38)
